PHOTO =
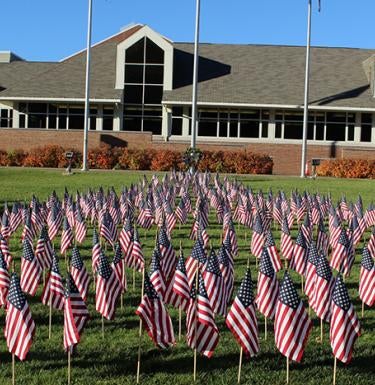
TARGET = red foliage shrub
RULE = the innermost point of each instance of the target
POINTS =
(136, 159)
(166, 160)
(103, 157)
(347, 168)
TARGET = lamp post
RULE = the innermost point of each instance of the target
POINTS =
(87, 89)
(195, 78)
(306, 98)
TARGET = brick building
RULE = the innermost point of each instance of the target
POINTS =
(249, 96)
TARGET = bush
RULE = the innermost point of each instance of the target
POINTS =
(347, 168)
(104, 157)
(132, 159)
(166, 160)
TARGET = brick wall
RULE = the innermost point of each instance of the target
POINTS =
(287, 157)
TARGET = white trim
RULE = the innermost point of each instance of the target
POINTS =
(61, 99)
(257, 105)
(165, 45)
(102, 41)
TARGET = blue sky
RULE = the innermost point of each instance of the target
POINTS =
(52, 29)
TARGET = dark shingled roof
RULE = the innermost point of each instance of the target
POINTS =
(261, 74)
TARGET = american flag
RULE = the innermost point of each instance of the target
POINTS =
(227, 270)
(4, 248)
(340, 254)
(197, 258)
(15, 217)
(108, 228)
(321, 302)
(54, 289)
(367, 279)
(75, 314)
(257, 239)
(125, 239)
(286, 242)
(96, 249)
(231, 233)
(28, 229)
(19, 325)
(157, 276)
(215, 285)
(322, 239)
(201, 330)
(43, 249)
(272, 251)
(30, 270)
(80, 227)
(312, 262)
(292, 324)
(108, 288)
(118, 267)
(67, 238)
(344, 326)
(155, 317)
(334, 228)
(168, 256)
(268, 287)
(299, 259)
(5, 227)
(137, 259)
(55, 222)
(306, 228)
(180, 282)
(242, 320)
(371, 243)
(4, 280)
(181, 212)
(79, 273)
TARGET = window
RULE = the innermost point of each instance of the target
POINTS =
(177, 121)
(366, 127)
(6, 118)
(143, 87)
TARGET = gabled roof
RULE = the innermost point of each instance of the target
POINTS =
(274, 75)
(66, 79)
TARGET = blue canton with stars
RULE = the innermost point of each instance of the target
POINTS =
(323, 268)
(269, 239)
(301, 239)
(288, 294)
(163, 239)
(313, 257)
(104, 269)
(70, 286)
(76, 259)
(117, 258)
(266, 267)
(181, 264)
(55, 264)
(3, 265)
(155, 260)
(16, 297)
(340, 294)
(198, 252)
(212, 265)
(95, 237)
(201, 288)
(149, 288)
(367, 262)
(245, 292)
(28, 253)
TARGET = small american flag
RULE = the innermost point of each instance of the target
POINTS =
(200, 323)
(241, 319)
(168, 256)
(321, 302)
(4, 280)
(272, 251)
(30, 270)
(118, 267)
(268, 287)
(79, 273)
(344, 326)
(257, 239)
(286, 242)
(19, 325)
(155, 317)
(215, 285)
(75, 314)
(80, 227)
(157, 277)
(4, 248)
(67, 238)
(340, 253)
(299, 259)
(108, 288)
(367, 279)
(125, 238)
(292, 324)
(54, 289)
(312, 262)
(197, 254)
(180, 283)
(137, 259)
(96, 250)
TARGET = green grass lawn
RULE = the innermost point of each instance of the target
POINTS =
(113, 360)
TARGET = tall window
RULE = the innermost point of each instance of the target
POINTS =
(143, 88)
(6, 118)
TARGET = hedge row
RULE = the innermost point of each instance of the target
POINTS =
(105, 157)
(347, 168)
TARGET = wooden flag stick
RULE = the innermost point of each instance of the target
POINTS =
(134, 278)
(334, 370)
(50, 318)
(363, 309)
(302, 283)
(13, 369)
(245, 236)
(195, 324)
(179, 320)
(321, 330)
(256, 262)
(265, 328)
(240, 366)
(68, 366)
(103, 327)
(287, 370)
(140, 330)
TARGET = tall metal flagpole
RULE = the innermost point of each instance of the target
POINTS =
(195, 77)
(87, 89)
(306, 100)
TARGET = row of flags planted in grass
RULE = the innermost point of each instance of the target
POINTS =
(202, 285)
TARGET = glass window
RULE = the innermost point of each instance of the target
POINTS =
(135, 53)
(76, 122)
(154, 54)
(52, 108)
(133, 94)
(22, 107)
(207, 128)
(278, 130)
(223, 129)
(152, 124)
(335, 132)
(292, 130)
(62, 122)
(265, 130)
(351, 132)
(233, 129)
(366, 133)
(366, 118)
(37, 121)
(207, 115)
(154, 74)
(107, 123)
(153, 94)
(177, 111)
(132, 124)
(134, 73)
(176, 126)
(22, 121)
(336, 117)
(249, 129)
(310, 131)
(294, 116)
(319, 131)
(38, 107)
(52, 121)
(76, 110)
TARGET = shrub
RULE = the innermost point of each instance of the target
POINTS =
(136, 159)
(103, 157)
(166, 160)
(347, 168)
